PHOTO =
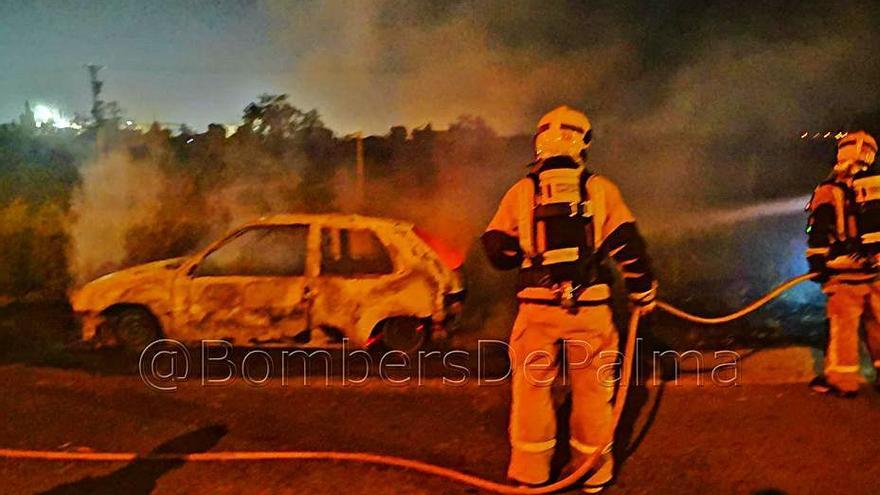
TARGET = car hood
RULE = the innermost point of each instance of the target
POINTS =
(136, 284)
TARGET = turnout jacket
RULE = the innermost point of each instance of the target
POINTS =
(615, 236)
(834, 248)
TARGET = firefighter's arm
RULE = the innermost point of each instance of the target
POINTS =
(821, 227)
(626, 247)
(501, 239)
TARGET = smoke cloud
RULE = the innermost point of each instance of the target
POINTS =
(140, 203)
(115, 196)
(682, 98)
(380, 62)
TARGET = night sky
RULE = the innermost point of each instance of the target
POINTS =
(369, 64)
(194, 62)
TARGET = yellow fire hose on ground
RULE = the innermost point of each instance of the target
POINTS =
(422, 467)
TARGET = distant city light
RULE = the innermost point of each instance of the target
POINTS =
(47, 115)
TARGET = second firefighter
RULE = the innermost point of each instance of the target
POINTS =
(844, 245)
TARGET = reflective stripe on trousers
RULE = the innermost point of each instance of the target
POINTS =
(535, 355)
(604, 471)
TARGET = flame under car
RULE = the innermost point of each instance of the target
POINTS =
(286, 280)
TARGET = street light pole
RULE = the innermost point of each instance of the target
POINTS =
(360, 180)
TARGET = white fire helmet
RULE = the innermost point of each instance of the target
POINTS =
(855, 151)
(563, 132)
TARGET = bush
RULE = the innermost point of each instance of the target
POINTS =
(33, 251)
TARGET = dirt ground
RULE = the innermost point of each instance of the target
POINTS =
(747, 439)
(674, 439)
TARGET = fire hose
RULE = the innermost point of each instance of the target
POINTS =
(423, 467)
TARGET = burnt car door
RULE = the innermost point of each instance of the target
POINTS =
(248, 289)
(355, 265)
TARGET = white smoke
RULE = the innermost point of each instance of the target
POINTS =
(116, 195)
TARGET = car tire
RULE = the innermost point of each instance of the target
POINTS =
(130, 327)
(406, 333)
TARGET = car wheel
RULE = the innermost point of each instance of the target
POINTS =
(132, 327)
(407, 334)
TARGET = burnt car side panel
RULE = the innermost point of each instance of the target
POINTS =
(241, 310)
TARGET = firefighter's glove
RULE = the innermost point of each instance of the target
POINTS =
(502, 249)
(818, 266)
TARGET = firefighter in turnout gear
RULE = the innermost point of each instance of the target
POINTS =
(558, 226)
(844, 251)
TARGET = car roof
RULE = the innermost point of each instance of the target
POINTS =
(339, 219)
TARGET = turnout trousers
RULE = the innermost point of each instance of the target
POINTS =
(587, 336)
(848, 306)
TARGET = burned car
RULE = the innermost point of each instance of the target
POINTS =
(286, 280)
